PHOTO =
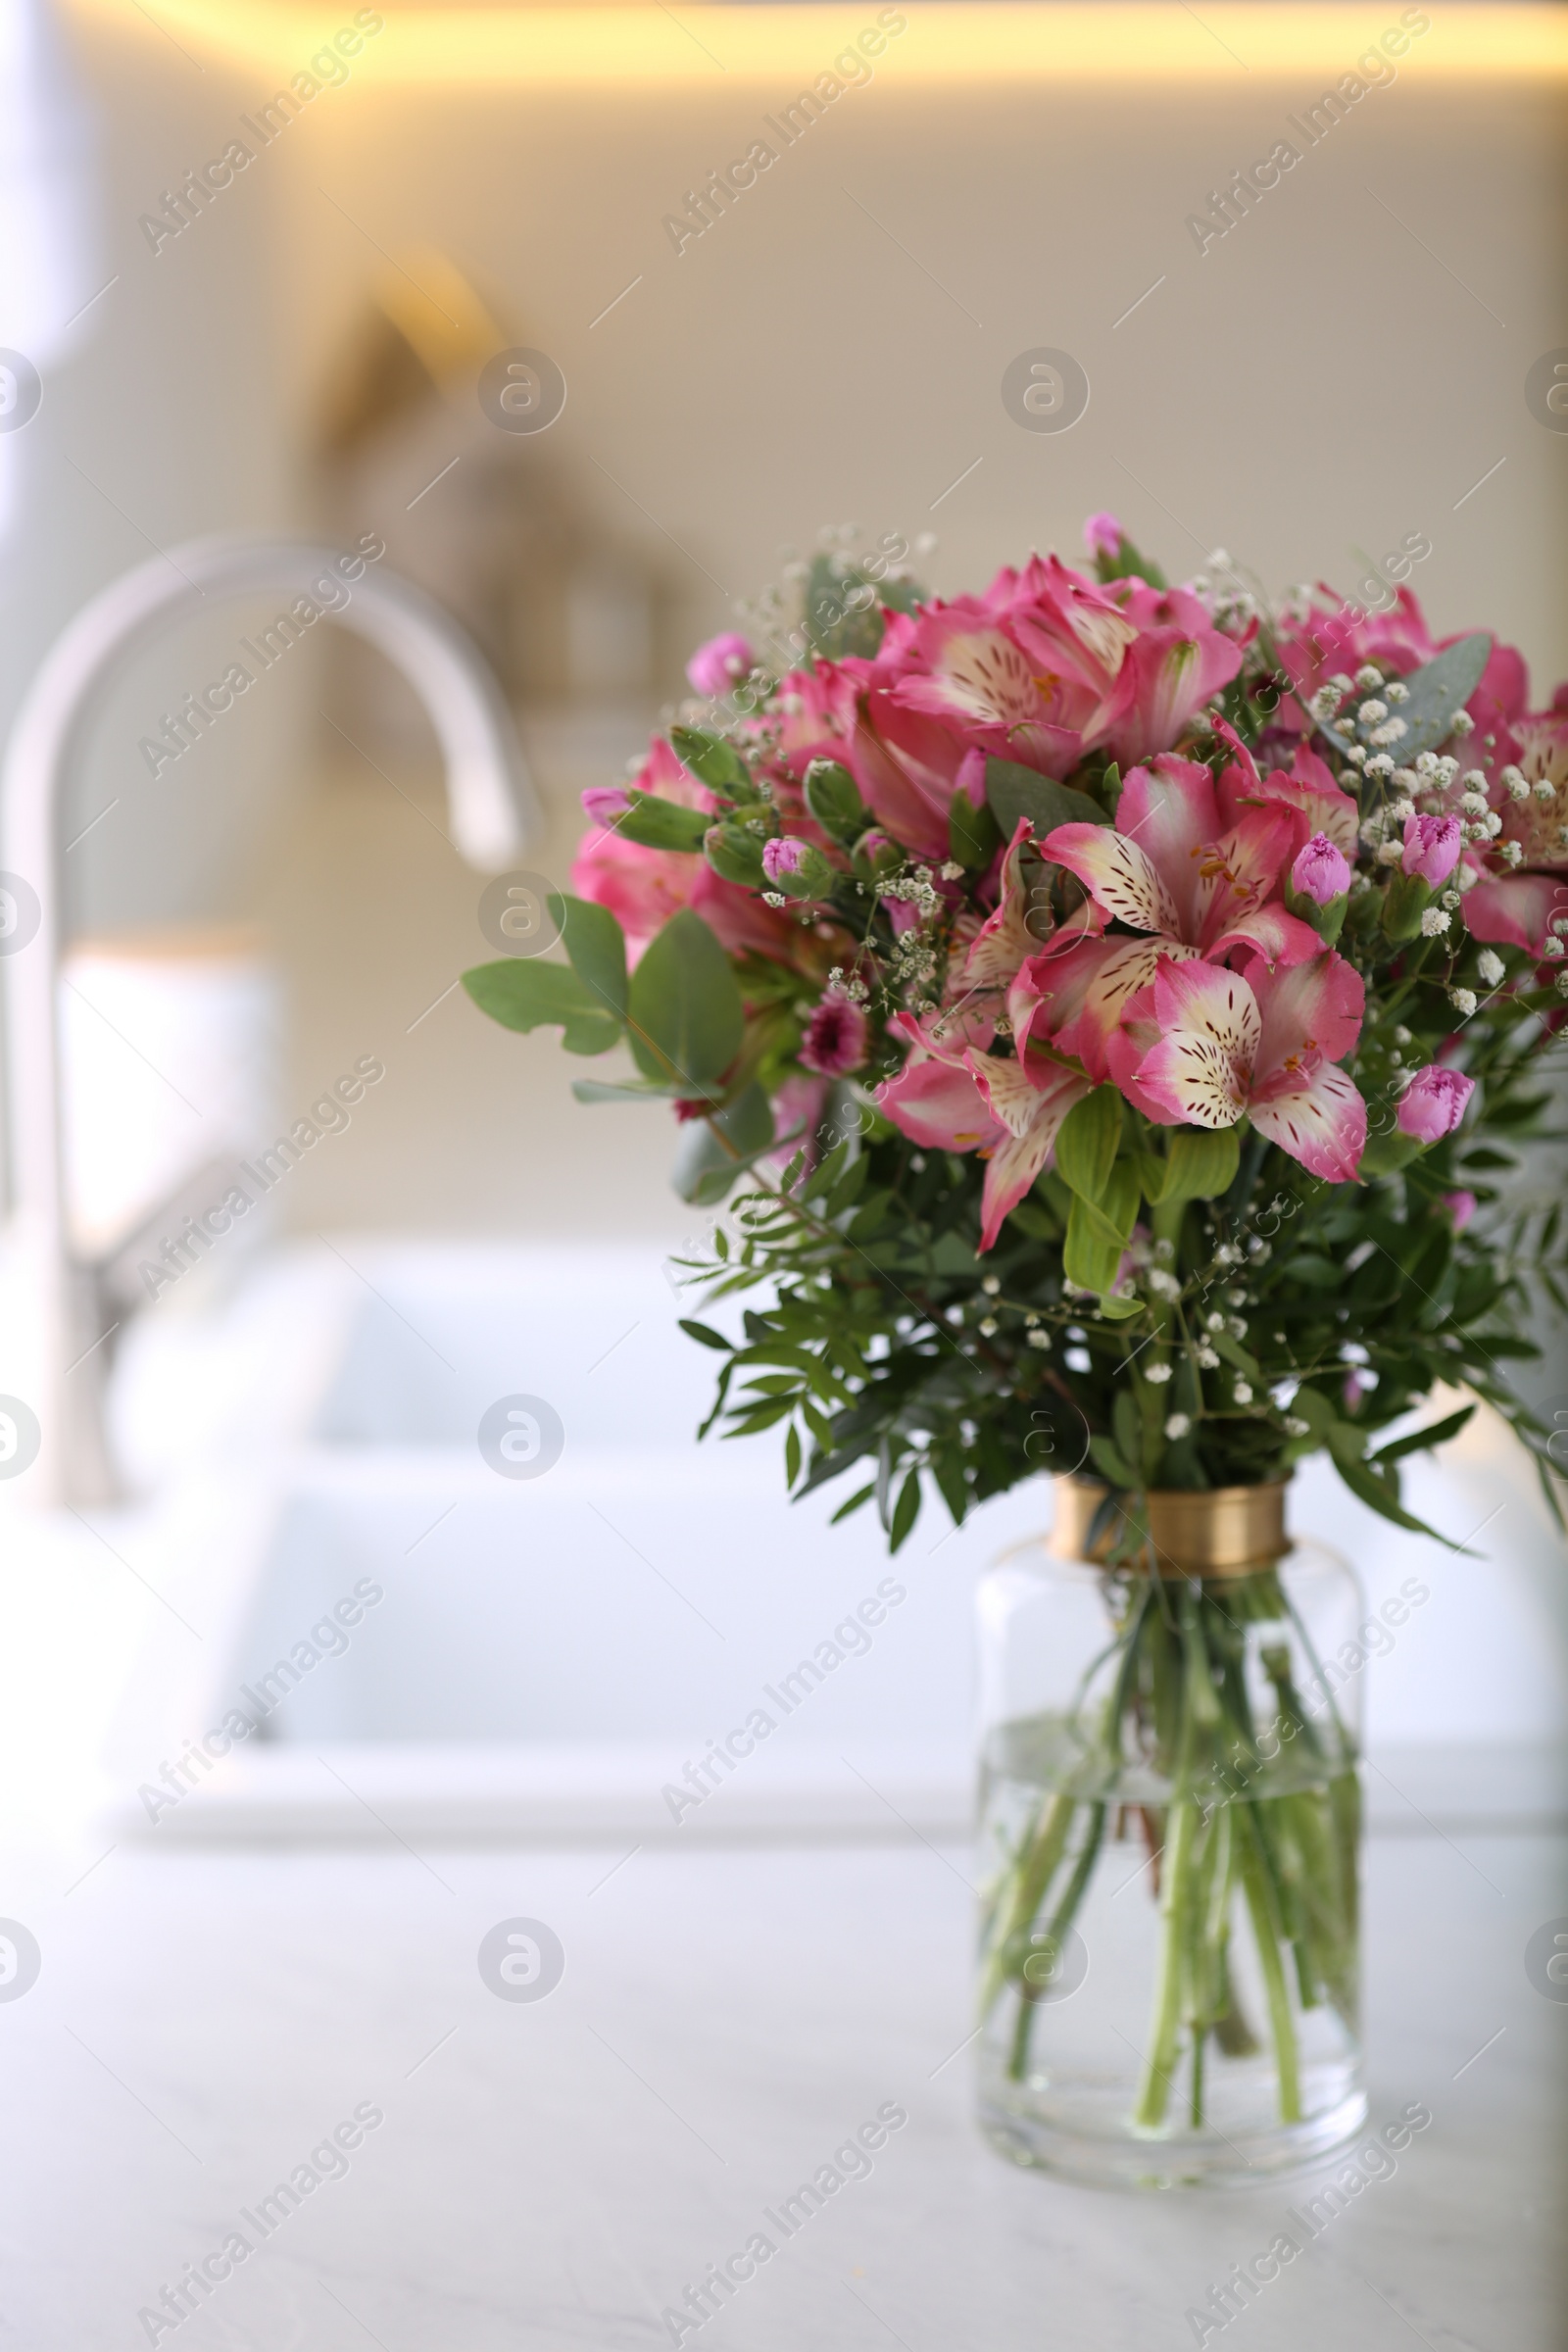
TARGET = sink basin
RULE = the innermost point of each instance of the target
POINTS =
(422, 1642)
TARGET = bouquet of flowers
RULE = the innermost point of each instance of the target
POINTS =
(1117, 1002)
(1118, 969)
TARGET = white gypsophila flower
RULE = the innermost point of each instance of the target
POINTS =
(1463, 1001)
(774, 898)
(1559, 922)
(1434, 921)
(1510, 853)
(991, 1285)
(1401, 1035)
(1426, 763)
(1474, 804)
(1368, 676)
(1039, 1337)
(1491, 966)
(1465, 876)
(987, 1326)
(1370, 713)
(1405, 778)
(1389, 852)
(1163, 1285)
(1561, 984)
(1243, 1392)
(1177, 1425)
(1209, 1359)
(1545, 792)
(952, 871)
(1324, 702)
(1156, 1375)
(1493, 824)
(1474, 779)
(1390, 731)
(1295, 1426)
(1446, 769)
(1214, 1322)
(1400, 812)
(1227, 1254)
(1512, 780)
(1463, 724)
(1556, 946)
(1356, 754)
(1397, 691)
(1380, 764)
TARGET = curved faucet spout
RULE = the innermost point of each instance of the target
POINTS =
(493, 815)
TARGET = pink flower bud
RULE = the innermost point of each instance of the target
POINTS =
(835, 1038)
(1434, 1102)
(1462, 1208)
(720, 664)
(1320, 872)
(603, 803)
(1102, 535)
(970, 780)
(1432, 846)
(785, 856)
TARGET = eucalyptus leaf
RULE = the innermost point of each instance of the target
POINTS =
(1437, 693)
(522, 993)
(685, 1008)
(597, 946)
(1015, 790)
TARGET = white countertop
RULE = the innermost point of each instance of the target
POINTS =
(553, 2172)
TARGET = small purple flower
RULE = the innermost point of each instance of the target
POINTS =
(1102, 535)
(1320, 872)
(1432, 846)
(1434, 1102)
(835, 1038)
(716, 667)
(785, 856)
(605, 802)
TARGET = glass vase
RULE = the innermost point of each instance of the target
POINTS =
(1170, 1844)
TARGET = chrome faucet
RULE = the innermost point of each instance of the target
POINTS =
(56, 1304)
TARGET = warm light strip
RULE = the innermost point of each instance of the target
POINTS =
(704, 47)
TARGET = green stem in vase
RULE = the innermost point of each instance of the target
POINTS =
(1175, 1910)
(1066, 1911)
(1268, 1930)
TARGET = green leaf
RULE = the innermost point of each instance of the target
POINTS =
(1088, 1141)
(597, 946)
(522, 993)
(1118, 1310)
(863, 1495)
(624, 1090)
(685, 1007)
(1386, 1153)
(704, 1333)
(1015, 790)
(792, 1455)
(1111, 1464)
(906, 1510)
(973, 834)
(1370, 1489)
(1091, 1252)
(654, 823)
(838, 628)
(703, 1169)
(1201, 1162)
(713, 761)
(1436, 1433)
(1437, 692)
(1127, 564)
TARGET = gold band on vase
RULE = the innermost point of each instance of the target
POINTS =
(1219, 1531)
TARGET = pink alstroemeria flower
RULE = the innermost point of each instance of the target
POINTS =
(1263, 1043)
(1165, 867)
(1432, 846)
(1518, 907)
(1434, 1102)
(1030, 1097)
(934, 1099)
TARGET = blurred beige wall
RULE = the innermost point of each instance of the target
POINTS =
(1334, 374)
